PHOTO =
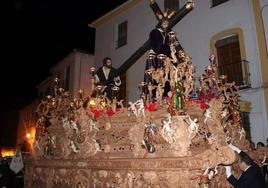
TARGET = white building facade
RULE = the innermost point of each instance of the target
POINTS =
(74, 72)
(203, 31)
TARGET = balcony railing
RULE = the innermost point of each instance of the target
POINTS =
(238, 72)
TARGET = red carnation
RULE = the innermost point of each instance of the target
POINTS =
(109, 112)
(151, 107)
(96, 113)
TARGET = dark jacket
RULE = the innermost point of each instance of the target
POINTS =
(251, 178)
(159, 42)
(103, 81)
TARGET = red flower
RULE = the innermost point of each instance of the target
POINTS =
(96, 113)
(203, 106)
(109, 112)
(198, 101)
(151, 107)
(206, 95)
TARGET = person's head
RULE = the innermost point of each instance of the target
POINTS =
(164, 25)
(252, 145)
(107, 62)
(260, 145)
(164, 18)
(244, 161)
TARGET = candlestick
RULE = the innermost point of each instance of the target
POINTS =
(115, 91)
(92, 70)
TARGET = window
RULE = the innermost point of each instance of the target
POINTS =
(218, 2)
(67, 79)
(229, 46)
(229, 59)
(245, 121)
(122, 34)
(171, 4)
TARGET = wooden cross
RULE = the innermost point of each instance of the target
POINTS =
(178, 15)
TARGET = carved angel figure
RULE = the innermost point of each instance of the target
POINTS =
(211, 172)
(141, 109)
(224, 113)
(73, 147)
(167, 131)
(193, 127)
(207, 115)
(97, 146)
(132, 109)
(73, 125)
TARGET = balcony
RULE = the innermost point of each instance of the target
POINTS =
(238, 72)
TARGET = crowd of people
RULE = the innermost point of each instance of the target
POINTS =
(9, 178)
(252, 176)
(254, 173)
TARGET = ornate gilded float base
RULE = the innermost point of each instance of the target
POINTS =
(126, 173)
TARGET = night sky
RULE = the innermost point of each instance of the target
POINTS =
(35, 35)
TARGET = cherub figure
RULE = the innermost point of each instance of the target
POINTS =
(97, 146)
(132, 108)
(207, 115)
(73, 125)
(120, 104)
(211, 138)
(193, 127)
(141, 109)
(211, 172)
(206, 176)
(224, 113)
(167, 131)
(73, 147)
(92, 124)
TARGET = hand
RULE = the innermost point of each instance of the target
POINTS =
(264, 160)
(228, 171)
(117, 81)
(234, 148)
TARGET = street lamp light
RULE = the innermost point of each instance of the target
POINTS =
(28, 135)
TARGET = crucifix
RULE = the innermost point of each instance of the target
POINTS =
(162, 37)
(177, 16)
